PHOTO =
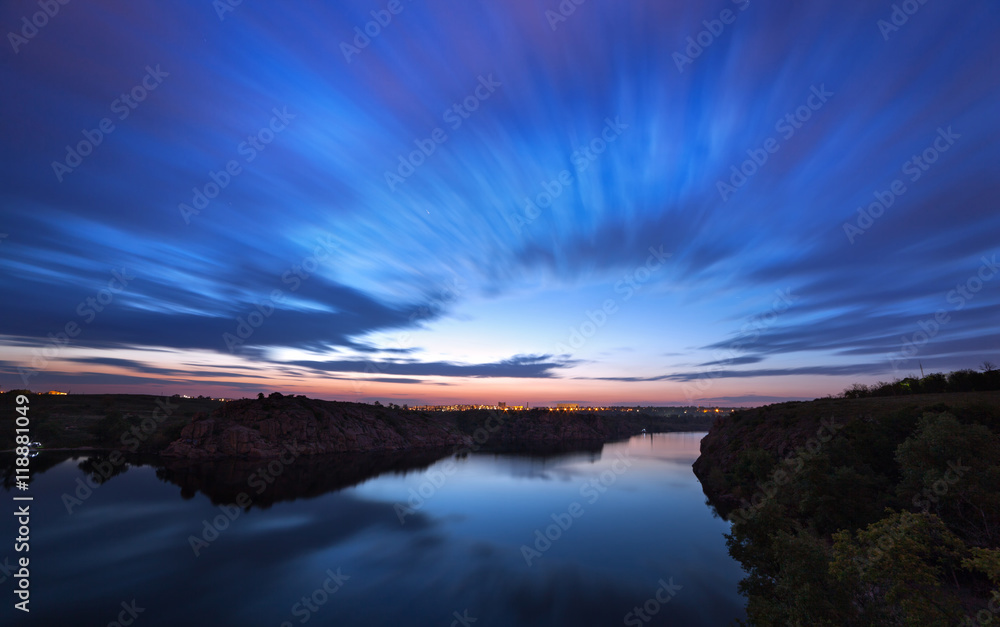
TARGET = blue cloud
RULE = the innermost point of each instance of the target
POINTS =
(588, 147)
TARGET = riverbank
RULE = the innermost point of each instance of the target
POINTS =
(869, 511)
(203, 428)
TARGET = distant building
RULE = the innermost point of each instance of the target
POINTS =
(58, 393)
(568, 406)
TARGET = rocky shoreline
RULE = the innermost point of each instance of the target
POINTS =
(181, 428)
(264, 428)
(255, 429)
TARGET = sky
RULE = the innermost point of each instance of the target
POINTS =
(651, 202)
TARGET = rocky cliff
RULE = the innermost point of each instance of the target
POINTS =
(269, 427)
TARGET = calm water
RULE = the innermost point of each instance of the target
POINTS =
(629, 522)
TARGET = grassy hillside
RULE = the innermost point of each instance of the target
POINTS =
(97, 420)
(779, 429)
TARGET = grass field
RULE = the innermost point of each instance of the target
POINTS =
(70, 421)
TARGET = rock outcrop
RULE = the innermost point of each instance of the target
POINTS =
(254, 429)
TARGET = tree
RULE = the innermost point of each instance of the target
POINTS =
(894, 570)
(963, 380)
(953, 470)
(986, 561)
(108, 430)
(858, 390)
(934, 383)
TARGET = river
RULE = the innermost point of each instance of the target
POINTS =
(618, 534)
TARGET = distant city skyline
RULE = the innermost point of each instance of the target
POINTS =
(582, 405)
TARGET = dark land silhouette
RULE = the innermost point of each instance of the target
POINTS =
(878, 510)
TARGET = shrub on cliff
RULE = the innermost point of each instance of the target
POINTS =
(894, 570)
(108, 430)
(929, 561)
(953, 470)
(966, 380)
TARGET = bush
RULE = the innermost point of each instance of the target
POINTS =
(893, 570)
(753, 466)
(957, 381)
(953, 470)
(108, 430)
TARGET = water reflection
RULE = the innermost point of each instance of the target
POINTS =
(273, 481)
(460, 550)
